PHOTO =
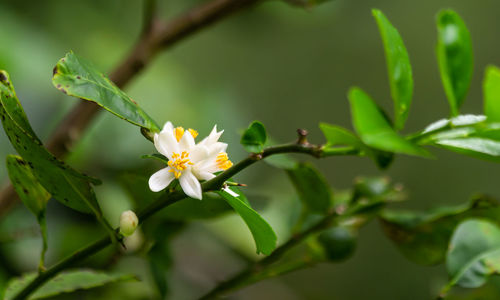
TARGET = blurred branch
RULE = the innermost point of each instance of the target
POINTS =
(248, 275)
(155, 37)
(172, 197)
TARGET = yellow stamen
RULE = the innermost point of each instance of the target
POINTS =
(193, 132)
(223, 161)
(179, 163)
(178, 132)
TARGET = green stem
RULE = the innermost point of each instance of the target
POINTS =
(245, 277)
(171, 198)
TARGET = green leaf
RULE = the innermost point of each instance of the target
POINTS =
(157, 156)
(374, 129)
(65, 184)
(79, 78)
(254, 137)
(398, 67)
(423, 237)
(31, 193)
(466, 134)
(65, 283)
(337, 136)
(263, 234)
(454, 54)
(474, 253)
(212, 205)
(311, 185)
(491, 91)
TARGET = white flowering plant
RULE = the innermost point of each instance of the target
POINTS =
(194, 179)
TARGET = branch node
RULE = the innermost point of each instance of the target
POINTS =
(302, 140)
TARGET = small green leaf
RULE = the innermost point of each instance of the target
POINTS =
(65, 283)
(254, 137)
(454, 54)
(79, 78)
(468, 134)
(313, 190)
(31, 193)
(374, 129)
(423, 237)
(156, 156)
(491, 91)
(337, 136)
(474, 253)
(398, 67)
(263, 234)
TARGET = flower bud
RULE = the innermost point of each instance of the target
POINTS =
(128, 222)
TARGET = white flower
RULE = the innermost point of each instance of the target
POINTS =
(187, 161)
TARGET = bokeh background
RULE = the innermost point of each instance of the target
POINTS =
(285, 66)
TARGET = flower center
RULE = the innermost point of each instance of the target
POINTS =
(179, 132)
(179, 163)
(223, 161)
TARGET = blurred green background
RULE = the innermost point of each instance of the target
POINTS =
(285, 66)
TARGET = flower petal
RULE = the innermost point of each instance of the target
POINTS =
(168, 127)
(168, 143)
(213, 137)
(203, 175)
(160, 180)
(186, 142)
(190, 185)
(198, 153)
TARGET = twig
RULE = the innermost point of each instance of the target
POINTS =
(244, 277)
(170, 198)
(155, 37)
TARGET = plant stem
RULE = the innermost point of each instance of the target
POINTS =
(171, 198)
(243, 278)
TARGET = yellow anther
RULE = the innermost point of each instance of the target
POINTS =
(178, 132)
(179, 163)
(223, 161)
(193, 132)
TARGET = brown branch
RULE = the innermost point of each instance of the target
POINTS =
(155, 37)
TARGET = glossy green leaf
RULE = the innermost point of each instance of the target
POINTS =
(157, 156)
(212, 205)
(374, 129)
(398, 68)
(491, 91)
(65, 184)
(474, 253)
(337, 136)
(311, 186)
(65, 283)
(454, 54)
(254, 137)
(468, 134)
(262, 232)
(423, 237)
(31, 193)
(77, 77)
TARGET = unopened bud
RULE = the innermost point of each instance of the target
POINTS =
(128, 222)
